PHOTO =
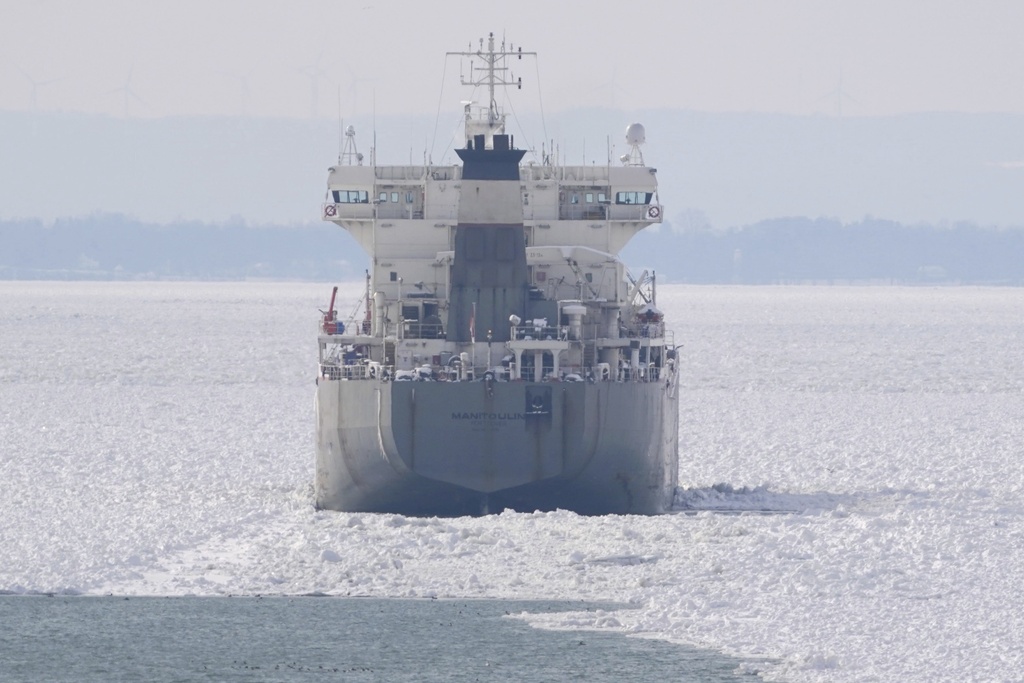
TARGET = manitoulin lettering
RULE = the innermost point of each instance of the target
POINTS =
(488, 416)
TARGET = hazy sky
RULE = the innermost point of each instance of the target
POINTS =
(264, 58)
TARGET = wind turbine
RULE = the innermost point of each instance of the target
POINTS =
(127, 92)
(612, 89)
(243, 88)
(35, 86)
(353, 89)
(839, 93)
(313, 71)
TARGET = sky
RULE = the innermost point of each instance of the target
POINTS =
(318, 59)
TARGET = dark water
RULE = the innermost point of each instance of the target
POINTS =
(321, 639)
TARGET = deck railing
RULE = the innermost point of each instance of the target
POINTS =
(347, 359)
(361, 370)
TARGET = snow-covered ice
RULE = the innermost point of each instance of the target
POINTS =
(850, 508)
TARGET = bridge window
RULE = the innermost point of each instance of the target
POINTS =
(633, 197)
(351, 196)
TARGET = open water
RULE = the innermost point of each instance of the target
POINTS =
(159, 640)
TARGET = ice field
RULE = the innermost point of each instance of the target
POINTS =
(851, 503)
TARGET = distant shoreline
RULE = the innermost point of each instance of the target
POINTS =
(795, 250)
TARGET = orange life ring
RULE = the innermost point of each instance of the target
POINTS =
(653, 212)
(330, 211)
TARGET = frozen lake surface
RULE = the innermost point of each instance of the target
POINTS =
(157, 439)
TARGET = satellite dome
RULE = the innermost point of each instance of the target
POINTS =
(635, 134)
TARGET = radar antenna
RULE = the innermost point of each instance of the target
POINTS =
(350, 156)
(635, 138)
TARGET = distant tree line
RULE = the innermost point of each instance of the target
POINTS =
(784, 250)
(792, 250)
(112, 246)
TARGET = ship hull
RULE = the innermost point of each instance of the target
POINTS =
(454, 448)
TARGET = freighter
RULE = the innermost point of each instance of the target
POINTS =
(506, 358)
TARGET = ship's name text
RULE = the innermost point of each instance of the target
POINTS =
(488, 416)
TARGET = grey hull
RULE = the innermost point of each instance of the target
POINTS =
(452, 448)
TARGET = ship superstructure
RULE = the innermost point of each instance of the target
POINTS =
(506, 357)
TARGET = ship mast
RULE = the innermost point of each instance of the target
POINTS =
(492, 74)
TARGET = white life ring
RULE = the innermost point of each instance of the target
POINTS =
(330, 211)
(653, 212)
